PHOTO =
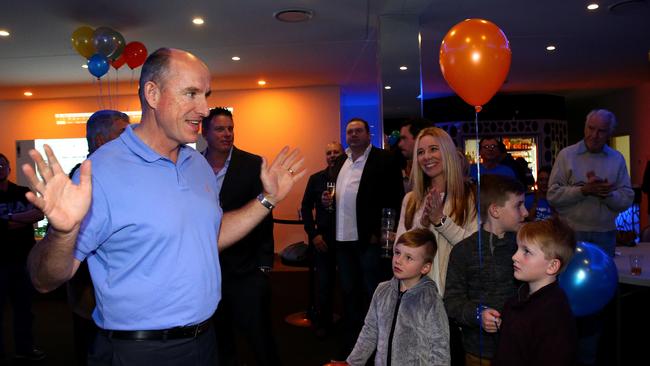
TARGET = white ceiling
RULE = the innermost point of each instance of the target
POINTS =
(338, 46)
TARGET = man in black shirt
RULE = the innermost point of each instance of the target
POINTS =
(17, 217)
(321, 235)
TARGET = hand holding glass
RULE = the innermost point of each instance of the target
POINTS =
(331, 189)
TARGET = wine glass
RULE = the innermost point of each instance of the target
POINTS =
(331, 189)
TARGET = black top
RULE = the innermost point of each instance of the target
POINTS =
(324, 224)
(16, 243)
(472, 282)
(538, 329)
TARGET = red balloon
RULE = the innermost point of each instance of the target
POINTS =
(135, 54)
(118, 62)
(475, 58)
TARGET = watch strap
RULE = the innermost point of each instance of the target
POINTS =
(265, 202)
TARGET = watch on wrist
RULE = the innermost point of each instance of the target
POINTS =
(441, 222)
(265, 269)
(265, 202)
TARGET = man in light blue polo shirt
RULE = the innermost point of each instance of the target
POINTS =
(151, 226)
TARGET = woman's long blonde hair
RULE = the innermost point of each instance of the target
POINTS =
(457, 189)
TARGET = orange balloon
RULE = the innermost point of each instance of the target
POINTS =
(475, 59)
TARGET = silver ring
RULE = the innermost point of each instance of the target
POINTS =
(290, 171)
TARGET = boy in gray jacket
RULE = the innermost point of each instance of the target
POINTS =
(406, 323)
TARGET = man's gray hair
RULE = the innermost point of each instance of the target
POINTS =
(101, 122)
(605, 115)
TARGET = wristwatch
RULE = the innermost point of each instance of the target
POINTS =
(265, 269)
(265, 202)
(441, 222)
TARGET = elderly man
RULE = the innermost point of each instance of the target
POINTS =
(149, 224)
(321, 235)
(589, 185)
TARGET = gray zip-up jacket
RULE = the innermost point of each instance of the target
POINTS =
(420, 333)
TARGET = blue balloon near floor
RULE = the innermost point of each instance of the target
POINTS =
(590, 280)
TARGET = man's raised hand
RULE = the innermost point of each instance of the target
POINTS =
(64, 203)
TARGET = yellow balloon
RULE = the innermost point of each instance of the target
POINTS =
(82, 41)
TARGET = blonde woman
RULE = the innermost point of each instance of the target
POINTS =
(441, 199)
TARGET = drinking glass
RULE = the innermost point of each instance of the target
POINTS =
(387, 232)
(331, 188)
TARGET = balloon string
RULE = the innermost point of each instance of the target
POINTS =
(131, 83)
(99, 101)
(117, 94)
(101, 94)
(480, 228)
(110, 97)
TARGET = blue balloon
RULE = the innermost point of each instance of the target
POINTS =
(98, 65)
(392, 140)
(590, 279)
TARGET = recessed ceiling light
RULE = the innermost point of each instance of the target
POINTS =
(85, 66)
(4, 33)
(261, 82)
(236, 58)
(550, 48)
(198, 21)
(293, 15)
(28, 94)
(387, 87)
(593, 6)
(403, 68)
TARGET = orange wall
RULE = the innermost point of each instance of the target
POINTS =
(265, 120)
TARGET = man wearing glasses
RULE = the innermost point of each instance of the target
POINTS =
(490, 156)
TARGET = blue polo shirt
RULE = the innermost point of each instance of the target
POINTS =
(150, 237)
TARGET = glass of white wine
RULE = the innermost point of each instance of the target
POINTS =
(331, 189)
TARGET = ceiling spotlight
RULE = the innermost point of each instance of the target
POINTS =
(85, 66)
(293, 15)
(388, 87)
(593, 6)
(261, 82)
(403, 68)
(28, 94)
(235, 58)
(550, 48)
(198, 21)
(4, 33)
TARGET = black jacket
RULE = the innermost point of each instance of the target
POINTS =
(324, 224)
(489, 282)
(240, 185)
(380, 187)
